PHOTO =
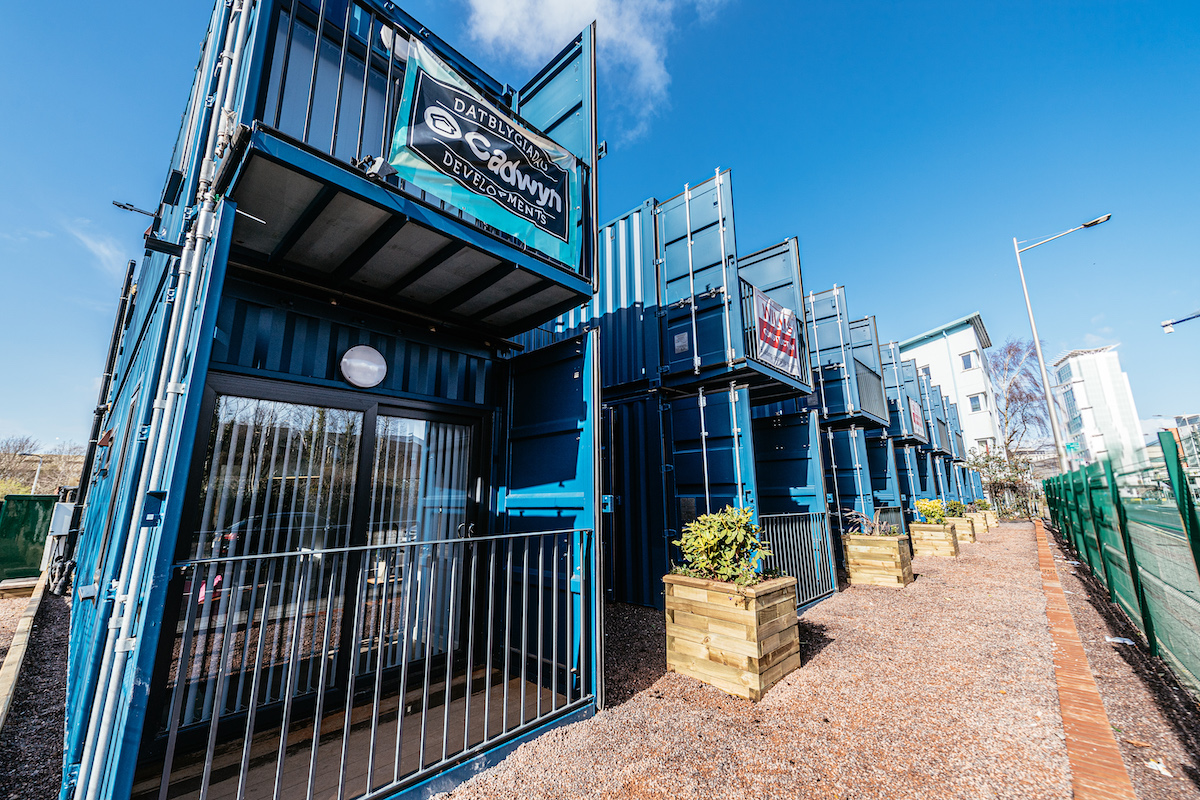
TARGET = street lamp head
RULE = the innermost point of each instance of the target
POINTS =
(1168, 327)
(1098, 220)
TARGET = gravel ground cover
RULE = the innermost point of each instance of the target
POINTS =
(942, 690)
(32, 739)
(1153, 717)
(11, 609)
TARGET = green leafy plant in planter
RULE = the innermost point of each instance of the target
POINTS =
(862, 525)
(933, 511)
(982, 505)
(955, 509)
(723, 546)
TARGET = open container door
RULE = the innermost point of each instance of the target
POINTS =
(552, 473)
(561, 101)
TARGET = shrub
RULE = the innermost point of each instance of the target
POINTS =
(723, 546)
(955, 509)
(983, 505)
(869, 526)
(934, 511)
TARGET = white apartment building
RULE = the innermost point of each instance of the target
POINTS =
(952, 356)
(1101, 419)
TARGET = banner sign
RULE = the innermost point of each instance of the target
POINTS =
(776, 329)
(918, 419)
(461, 148)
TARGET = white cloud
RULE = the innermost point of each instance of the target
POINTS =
(631, 42)
(108, 253)
(23, 235)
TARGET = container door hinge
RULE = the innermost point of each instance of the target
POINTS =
(72, 778)
(606, 503)
(88, 592)
(152, 508)
(143, 433)
(668, 468)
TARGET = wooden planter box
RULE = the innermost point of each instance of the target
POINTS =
(878, 560)
(980, 520)
(740, 639)
(964, 528)
(992, 521)
(933, 540)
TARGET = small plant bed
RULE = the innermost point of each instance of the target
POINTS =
(934, 537)
(964, 528)
(980, 520)
(877, 554)
(728, 624)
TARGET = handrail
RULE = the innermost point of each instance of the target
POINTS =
(360, 548)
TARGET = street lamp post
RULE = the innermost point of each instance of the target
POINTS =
(36, 474)
(1037, 343)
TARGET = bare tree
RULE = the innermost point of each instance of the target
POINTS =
(1020, 399)
(13, 466)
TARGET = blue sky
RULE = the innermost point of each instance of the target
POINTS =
(904, 144)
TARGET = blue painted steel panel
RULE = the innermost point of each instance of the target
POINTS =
(641, 524)
(885, 477)
(847, 473)
(713, 452)
(270, 334)
(787, 458)
(935, 417)
(907, 419)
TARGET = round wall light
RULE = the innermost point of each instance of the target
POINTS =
(363, 366)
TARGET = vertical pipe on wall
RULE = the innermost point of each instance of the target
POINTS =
(725, 287)
(700, 403)
(687, 209)
(123, 615)
(736, 430)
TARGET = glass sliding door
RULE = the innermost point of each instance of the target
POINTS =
(419, 493)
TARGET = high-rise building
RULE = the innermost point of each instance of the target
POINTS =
(1096, 405)
(952, 355)
(1187, 431)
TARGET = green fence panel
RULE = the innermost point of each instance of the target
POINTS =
(24, 523)
(1125, 589)
(1091, 528)
(1165, 565)
(1078, 521)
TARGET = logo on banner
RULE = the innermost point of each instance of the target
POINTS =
(471, 142)
(918, 419)
(776, 328)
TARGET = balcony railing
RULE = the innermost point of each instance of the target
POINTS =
(351, 671)
(756, 350)
(799, 545)
(870, 390)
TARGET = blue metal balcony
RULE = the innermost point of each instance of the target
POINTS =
(305, 218)
(845, 363)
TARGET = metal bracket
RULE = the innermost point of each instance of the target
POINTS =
(143, 433)
(606, 503)
(88, 592)
(152, 509)
(125, 645)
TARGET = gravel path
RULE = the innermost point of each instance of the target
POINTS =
(1153, 717)
(943, 690)
(33, 734)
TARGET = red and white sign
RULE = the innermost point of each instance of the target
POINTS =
(918, 419)
(778, 345)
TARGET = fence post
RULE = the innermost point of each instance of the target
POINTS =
(1183, 494)
(1105, 571)
(1134, 575)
